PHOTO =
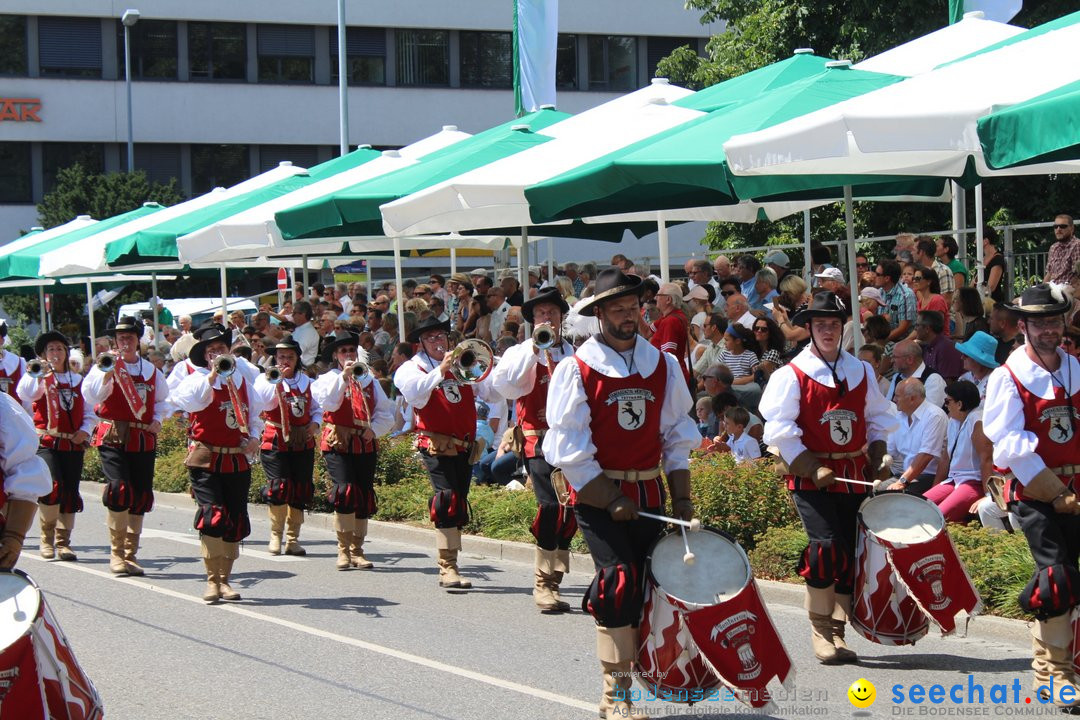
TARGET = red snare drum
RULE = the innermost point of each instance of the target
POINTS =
(705, 624)
(39, 676)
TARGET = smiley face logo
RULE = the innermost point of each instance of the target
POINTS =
(862, 693)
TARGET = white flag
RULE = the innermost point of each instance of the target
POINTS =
(536, 38)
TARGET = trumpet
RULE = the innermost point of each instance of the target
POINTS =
(274, 375)
(358, 370)
(543, 336)
(225, 365)
(471, 361)
(106, 362)
(38, 369)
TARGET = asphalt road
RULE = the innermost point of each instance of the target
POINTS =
(308, 641)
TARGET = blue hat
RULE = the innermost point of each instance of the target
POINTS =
(980, 347)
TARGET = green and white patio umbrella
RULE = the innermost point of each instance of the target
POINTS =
(1044, 129)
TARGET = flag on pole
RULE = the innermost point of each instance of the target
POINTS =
(996, 10)
(536, 35)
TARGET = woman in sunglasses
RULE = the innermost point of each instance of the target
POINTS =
(770, 340)
(967, 460)
(927, 289)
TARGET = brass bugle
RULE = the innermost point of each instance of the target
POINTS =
(471, 361)
(359, 370)
(543, 336)
(38, 368)
(225, 365)
(106, 362)
(274, 375)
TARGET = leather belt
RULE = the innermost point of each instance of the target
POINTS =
(534, 433)
(362, 425)
(223, 450)
(1066, 470)
(839, 456)
(57, 435)
(456, 441)
(633, 475)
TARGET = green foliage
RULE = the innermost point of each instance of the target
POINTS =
(776, 552)
(742, 499)
(170, 473)
(79, 192)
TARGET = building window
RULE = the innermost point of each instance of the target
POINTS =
(153, 49)
(218, 166)
(13, 45)
(487, 59)
(60, 155)
(160, 161)
(15, 172)
(660, 47)
(423, 57)
(304, 156)
(69, 46)
(566, 62)
(365, 55)
(613, 63)
(286, 54)
(217, 51)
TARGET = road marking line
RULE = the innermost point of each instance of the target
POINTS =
(343, 639)
(192, 540)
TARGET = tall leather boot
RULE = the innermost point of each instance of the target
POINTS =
(820, 603)
(230, 551)
(131, 544)
(840, 616)
(118, 525)
(546, 586)
(562, 566)
(211, 551)
(344, 524)
(49, 515)
(448, 543)
(616, 649)
(64, 525)
(356, 550)
(294, 519)
(277, 527)
(1052, 642)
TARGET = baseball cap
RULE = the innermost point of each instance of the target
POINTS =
(831, 274)
(698, 293)
(872, 293)
(776, 257)
(479, 272)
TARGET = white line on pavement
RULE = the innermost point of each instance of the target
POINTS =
(193, 540)
(343, 639)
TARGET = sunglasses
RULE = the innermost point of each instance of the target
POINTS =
(862, 265)
(727, 293)
(762, 328)
(917, 277)
(1061, 227)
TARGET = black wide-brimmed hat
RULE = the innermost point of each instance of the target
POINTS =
(824, 304)
(197, 354)
(45, 338)
(427, 325)
(349, 339)
(208, 325)
(1042, 300)
(127, 324)
(550, 296)
(610, 283)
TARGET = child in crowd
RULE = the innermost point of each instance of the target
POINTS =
(743, 447)
(708, 424)
(874, 354)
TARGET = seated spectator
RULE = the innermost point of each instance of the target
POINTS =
(927, 289)
(979, 359)
(876, 331)
(939, 351)
(918, 443)
(967, 459)
(765, 283)
(793, 298)
(740, 356)
(738, 311)
(716, 380)
(743, 447)
(908, 361)
(968, 313)
(708, 425)
(707, 352)
(874, 356)
(498, 465)
(770, 340)
(722, 401)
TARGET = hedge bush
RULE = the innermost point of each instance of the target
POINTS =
(999, 563)
(742, 499)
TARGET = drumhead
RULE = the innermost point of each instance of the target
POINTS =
(899, 518)
(720, 568)
(20, 602)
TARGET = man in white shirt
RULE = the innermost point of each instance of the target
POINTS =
(917, 444)
(496, 302)
(907, 359)
(305, 333)
(738, 311)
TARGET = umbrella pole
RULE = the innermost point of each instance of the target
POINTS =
(90, 314)
(305, 279)
(665, 250)
(523, 271)
(807, 262)
(551, 261)
(41, 306)
(849, 221)
(400, 289)
(453, 261)
(978, 233)
(224, 296)
(154, 303)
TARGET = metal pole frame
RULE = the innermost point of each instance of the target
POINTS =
(127, 81)
(343, 80)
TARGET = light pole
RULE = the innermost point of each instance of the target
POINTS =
(129, 18)
(343, 80)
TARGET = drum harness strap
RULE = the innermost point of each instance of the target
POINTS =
(633, 475)
(838, 456)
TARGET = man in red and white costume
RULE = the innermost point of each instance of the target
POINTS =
(131, 400)
(1030, 415)
(12, 367)
(356, 412)
(619, 416)
(524, 373)
(63, 423)
(446, 428)
(24, 477)
(291, 418)
(225, 431)
(827, 417)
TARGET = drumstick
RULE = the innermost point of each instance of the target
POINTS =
(691, 525)
(689, 557)
(875, 484)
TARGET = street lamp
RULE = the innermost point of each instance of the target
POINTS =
(129, 18)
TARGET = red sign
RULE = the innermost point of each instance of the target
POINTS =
(20, 109)
(282, 279)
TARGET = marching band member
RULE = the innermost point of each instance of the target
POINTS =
(64, 424)
(24, 477)
(131, 400)
(524, 373)
(12, 367)
(356, 412)
(446, 425)
(291, 420)
(826, 415)
(224, 430)
(1030, 416)
(619, 413)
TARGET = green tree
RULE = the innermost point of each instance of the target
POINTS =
(79, 192)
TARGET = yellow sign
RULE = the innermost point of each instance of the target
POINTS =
(20, 109)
